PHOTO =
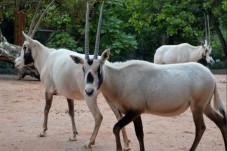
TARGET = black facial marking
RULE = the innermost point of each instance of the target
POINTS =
(24, 48)
(90, 62)
(83, 71)
(27, 56)
(105, 55)
(90, 78)
(203, 61)
(100, 76)
(203, 56)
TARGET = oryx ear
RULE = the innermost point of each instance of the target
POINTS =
(77, 59)
(27, 38)
(105, 55)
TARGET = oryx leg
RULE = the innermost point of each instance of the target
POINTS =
(49, 98)
(92, 105)
(218, 120)
(119, 116)
(71, 113)
(139, 132)
(199, 126)
(129, 117)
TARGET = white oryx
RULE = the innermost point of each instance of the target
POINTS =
(61, 76)
(170, 54)
(137, 87)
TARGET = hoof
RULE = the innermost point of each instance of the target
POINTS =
(72, 139)
(88, 144)
(43, 134)
(127, 149)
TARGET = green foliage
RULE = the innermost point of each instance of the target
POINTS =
(116, 33)
(171, 18)
(114, 37)
(130, 28)
(62, 23)
(61, 39)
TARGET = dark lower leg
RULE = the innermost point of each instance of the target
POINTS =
(71, 113)
(139, 132)
(218, 120)
(129, 116)
(119, 116)
(49, 98)
(200, 128)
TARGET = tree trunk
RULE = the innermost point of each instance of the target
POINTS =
(9, 52)
(219, 33)
(221, 38)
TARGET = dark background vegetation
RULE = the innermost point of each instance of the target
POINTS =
(132, 29)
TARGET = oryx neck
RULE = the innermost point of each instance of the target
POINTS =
(196, 53)
(40, 55)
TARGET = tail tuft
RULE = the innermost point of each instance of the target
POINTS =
(219, 105)
(224, 115)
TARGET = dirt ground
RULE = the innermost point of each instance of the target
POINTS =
(21, 119)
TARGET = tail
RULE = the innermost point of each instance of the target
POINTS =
(218, 105)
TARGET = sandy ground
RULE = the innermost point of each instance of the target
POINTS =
(21, 119)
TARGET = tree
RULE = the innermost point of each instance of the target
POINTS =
(178, 21)
(217, 10)
(8, 53)
(132, 28)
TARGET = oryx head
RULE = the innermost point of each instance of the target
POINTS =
(27, 55)
(206, 48)
(92, 68)
(206, 53)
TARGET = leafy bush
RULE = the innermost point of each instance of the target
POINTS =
(219, 65)
(62, 39)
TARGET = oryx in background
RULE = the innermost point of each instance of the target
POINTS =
(138, 87)
(61, 76)
(170, 54)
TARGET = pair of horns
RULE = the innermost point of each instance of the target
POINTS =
(33, 27)
(207, 29)
(97, 34)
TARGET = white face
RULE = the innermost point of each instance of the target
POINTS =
(25, 57)
(93, 73)
(207, 54)
(93, 76)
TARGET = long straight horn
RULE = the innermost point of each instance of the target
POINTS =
(33, 19)
(208, 29)
(98, 34)
(40, 19)
(87, 33)
(206, 37)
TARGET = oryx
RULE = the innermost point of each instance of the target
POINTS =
(137, 87)
(61, 76)
(181, 53)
